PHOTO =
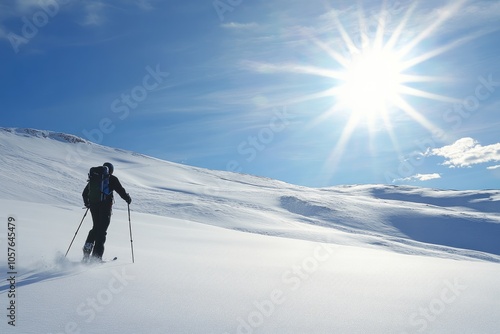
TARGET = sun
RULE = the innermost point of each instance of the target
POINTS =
(374, 74)
(371, 83)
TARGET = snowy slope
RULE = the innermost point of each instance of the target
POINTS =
(353, 259)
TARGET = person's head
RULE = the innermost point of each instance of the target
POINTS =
(110, 167)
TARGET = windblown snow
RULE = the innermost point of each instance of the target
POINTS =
(220, 252)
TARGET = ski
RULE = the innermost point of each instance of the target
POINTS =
(89, 260)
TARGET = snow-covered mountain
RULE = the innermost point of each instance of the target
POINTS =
(219, 252)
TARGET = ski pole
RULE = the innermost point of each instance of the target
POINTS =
(76, 232)
(130, 229)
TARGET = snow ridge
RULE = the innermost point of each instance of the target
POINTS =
(34, 133)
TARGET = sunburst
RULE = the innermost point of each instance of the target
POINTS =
(375, 77)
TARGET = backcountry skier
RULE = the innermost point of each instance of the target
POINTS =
(98, 197)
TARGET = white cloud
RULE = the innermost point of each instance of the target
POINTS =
(239, 26)
(422, 177)
(467, 152)
(493, 167)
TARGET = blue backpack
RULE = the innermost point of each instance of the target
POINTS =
(98, 184)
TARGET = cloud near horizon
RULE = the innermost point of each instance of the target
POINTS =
(422, 177)
(467, 152)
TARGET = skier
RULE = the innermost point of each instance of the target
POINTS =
(101, 213)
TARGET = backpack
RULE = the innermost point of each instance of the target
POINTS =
(98, 184)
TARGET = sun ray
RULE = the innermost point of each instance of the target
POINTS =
(345, 37)
(418, 117)
(378, 41)
(321, 118)
(446, 13)
(335, 156)
(394, 38)
(314, 96)
(431, 96)
(363, 29)
(436, 52)
(392, 135)
(293, 68)
(339, 58)
(423, 78)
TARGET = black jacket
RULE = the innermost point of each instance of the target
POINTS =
(114, 185)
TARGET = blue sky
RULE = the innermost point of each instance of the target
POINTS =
(315, 93)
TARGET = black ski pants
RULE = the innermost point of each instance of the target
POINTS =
(101, 217)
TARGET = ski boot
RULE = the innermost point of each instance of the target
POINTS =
(87, 249)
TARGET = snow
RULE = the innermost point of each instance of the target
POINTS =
(219, 252)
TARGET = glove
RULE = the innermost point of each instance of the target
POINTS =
(128, 199)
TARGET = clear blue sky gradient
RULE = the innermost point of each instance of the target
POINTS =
(238, 85)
